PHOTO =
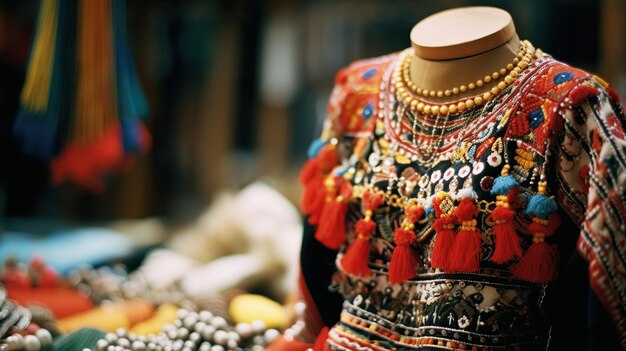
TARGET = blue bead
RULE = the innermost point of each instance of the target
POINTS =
(368, 110)
(535, 118)
(315, 147)
(370, 73)
(562, 77)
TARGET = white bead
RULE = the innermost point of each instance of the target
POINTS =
(44, 336)
(270, 335)
(16, 340)
(138, 346)
(205, 346)
(183, 333)
(101, 345)
(189, 321)
(244, 329)
(258, 326)
(199, 327)
(205, 316)
(217, 348)
(218, 322)
(110, 337)
(182, 313)
(232, 344)
(207, 332)
(31, 343)
(123, 343)
(195, 337)
(220, 337)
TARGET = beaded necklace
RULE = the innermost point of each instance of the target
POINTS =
(411, 95)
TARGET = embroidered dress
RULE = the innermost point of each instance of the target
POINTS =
(463, 231)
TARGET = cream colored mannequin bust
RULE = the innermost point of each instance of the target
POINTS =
(461, 45)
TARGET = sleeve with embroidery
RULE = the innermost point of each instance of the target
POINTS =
(591, 177)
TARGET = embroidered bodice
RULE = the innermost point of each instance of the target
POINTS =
(448, 228)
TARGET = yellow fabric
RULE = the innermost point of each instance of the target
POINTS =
(246, 308)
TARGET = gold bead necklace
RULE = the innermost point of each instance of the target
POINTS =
(407, 91)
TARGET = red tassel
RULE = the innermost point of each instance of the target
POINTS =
(466, 247)
(507, 243)
(331, 230)
(312, 178)
(539, 263)
(403, 263)
(581, 93)
(354, 261)
(444, 228)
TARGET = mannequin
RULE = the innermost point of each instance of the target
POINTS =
(462, 45)
(447, 178)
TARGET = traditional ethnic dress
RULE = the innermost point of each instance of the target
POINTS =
(497, 226)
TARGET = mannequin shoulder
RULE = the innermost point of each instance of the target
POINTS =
(548, 89)
(355, 97)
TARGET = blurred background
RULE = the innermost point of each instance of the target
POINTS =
(237, 90)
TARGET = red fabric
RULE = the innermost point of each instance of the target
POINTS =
(62, 302)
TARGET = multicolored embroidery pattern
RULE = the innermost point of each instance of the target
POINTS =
(451, 247)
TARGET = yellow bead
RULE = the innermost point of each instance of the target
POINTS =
(443, 109)
(487, 79)
(452, 108)
(495, 90)
(425, 92)
(463, 88)
(439, 94)
(502, 71)
(509, 66)
(514, 74)
(471, 86)
(470, 102)
(515, 61)
(508, 79)
(420, 106)
(502, 85)
(448, 92)
(495, 75)
(479, 83)
(455, 90)
(414, 104)
(487, 96)
(426, 108)
(418, 91)
(478, 100)
(434, 110)
(432, 93)
(461, 105)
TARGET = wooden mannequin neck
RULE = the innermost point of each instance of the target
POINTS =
(445, 74)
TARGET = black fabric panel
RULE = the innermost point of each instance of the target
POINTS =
(318, 265)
